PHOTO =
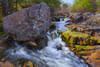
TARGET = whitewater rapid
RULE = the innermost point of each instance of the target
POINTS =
(59, 58)
(49, 56)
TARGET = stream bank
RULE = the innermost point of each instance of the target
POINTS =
(83, 38)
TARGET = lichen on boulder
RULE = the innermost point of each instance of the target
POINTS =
(28, 23)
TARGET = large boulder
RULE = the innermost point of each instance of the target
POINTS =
(87, 15)
(78, 17)
(28, 23)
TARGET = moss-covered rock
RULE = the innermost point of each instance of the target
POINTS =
(77, 38)
(82, 48)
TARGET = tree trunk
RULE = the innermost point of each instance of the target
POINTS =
(16, 5)
(4, 7)
(10, 6)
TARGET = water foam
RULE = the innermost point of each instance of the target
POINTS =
(59, 58)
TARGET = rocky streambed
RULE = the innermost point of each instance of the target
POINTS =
(27, 30)
(83, 38)
(49, 56)
(29, 42)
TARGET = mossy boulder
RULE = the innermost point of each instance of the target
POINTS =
(77, 38)
(82, 48)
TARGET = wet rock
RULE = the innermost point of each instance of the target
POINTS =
(53, 26)
(3, 43)
(30, 43)
(25, 64)
(70, 20)
(28, 23)
(78, 17)
(72, 17)
(57, 18)
(41, 42)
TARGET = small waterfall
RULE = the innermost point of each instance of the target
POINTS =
(59, 58)
(49, 56)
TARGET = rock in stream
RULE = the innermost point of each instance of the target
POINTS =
(29, 23)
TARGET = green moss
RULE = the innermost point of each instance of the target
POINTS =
(74, 37)
(82, 48)
(98, 41)
(78, 38)
(75, 34)
(71, 40)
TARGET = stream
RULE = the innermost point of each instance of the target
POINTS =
(49, 56)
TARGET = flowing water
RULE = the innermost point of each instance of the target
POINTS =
(49, 56)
